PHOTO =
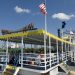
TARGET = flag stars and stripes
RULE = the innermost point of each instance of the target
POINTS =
(43, 8)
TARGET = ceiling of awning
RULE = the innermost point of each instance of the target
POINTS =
(31, 37)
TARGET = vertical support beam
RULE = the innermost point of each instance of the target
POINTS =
(70, 49)
(50, 49)
(45, 49)
(7, 52)
(57, 52)
(62, 51)
(66, 52)
(22, 51)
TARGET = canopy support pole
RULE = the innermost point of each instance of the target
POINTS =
(45, 49)
(62, 51)
(57, 52)
(50, 49)
(7, 52)
(65, 52)
(22, 51)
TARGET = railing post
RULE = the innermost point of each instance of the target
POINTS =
(7, 52)
(22, 51)
(50, 49)
(57, 52)
(66, 52)
(62, 51)
(45, 49)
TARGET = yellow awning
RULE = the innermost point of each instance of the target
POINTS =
(36, 33)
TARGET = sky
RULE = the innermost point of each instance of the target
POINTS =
(15, 14)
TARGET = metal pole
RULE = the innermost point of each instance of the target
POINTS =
(66, 52)
(45, 49)
(7, 52)
(45, 37)
(45, 19)
(50, 49)
(22, 51)
(57, 52)
(62, 51)
(62, 42)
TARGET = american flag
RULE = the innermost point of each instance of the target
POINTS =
(43, 8)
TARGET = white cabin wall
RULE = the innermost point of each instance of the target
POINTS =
(25, 72)
(54, 71)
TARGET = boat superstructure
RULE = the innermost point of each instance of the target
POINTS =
(42, 57)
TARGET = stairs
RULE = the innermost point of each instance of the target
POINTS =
(11, 70)
(64, 67)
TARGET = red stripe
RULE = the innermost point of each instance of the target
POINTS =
(43, 8)
(44, 11)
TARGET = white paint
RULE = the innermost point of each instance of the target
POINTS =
(54, 71)
(26, 72)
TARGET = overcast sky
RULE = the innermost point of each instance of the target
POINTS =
(15, 14)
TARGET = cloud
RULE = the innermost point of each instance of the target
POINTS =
(21, 10)
(62, 16)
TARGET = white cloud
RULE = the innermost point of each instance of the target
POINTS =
(62, 16)
(21, 10)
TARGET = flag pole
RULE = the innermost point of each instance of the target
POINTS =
(45, 36)
(45, 19)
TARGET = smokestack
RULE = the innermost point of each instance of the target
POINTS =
(59, 33)
(63, 24)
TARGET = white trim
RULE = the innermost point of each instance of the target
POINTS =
(40, 71)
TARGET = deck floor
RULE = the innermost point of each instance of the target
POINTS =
(1, 74)
(61, 73)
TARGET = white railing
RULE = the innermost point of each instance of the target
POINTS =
(38, 60)
(3, 60)
(3, 57)
(54, 59)
(32, 59)
(64, 56)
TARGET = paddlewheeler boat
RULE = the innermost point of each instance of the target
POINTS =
(39, 53)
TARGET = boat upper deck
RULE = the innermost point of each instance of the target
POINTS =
(48, 51)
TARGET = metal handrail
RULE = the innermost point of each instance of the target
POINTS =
(32, 58)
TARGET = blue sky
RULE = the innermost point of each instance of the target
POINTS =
(12, 19)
